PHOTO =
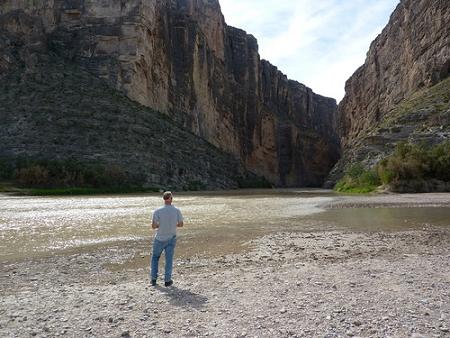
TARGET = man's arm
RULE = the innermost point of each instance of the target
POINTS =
(155, 220)
(180, 219)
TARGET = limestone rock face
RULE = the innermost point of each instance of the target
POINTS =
(22, 38)
(179, 57)
(413, 51)
(401, 93)
(55, 110)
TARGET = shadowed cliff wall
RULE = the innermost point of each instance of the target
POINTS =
(179, 57)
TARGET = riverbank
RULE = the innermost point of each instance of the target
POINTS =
(390, 200)
(305, 284)
(10, 188)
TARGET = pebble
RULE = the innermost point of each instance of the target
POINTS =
(302, 302)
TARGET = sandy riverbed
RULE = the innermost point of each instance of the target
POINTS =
(318, 284)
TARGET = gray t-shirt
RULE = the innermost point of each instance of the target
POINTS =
(167, 216)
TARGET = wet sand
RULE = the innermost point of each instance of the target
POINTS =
(305, 284)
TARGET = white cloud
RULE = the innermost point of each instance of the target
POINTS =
(318, 43)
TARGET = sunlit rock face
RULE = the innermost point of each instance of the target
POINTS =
(401, 91)
(180, 57)
(413, 51)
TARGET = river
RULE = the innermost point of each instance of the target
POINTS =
(215, 222)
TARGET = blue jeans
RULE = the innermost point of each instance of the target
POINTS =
(169, 248)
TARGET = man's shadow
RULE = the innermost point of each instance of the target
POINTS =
(183, 298)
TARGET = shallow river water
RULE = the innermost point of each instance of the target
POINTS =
(215, 223)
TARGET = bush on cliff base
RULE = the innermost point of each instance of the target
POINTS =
(409, 167)
(415, 162)
(68, 174)
(358, 180)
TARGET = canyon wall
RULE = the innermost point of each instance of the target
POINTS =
(401, 93)
(180, 57)
(411, 53)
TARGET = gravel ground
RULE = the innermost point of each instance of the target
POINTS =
(319, 284)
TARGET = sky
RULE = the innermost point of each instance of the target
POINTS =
(319, 43)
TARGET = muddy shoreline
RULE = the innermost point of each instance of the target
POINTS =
(286, 284)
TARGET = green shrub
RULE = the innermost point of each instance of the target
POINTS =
(65, 174)
(87, 191)
(195, 185)
(369, 178)
(355, 170)
(440, 161)
(253, 182)
(33, 176)
(6, 170)
(357, 179)
(385, 174)
(415, 162)
(101, 176)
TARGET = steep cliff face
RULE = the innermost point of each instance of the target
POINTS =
(412, 52)
(54, 110)
(400, 93)
(180, 57)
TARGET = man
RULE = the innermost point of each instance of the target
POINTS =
(166, 220)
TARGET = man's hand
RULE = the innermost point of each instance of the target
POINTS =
(180, 224)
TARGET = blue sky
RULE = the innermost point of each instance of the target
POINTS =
(319, 43)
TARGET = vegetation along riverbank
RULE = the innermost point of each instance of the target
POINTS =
(410, 168)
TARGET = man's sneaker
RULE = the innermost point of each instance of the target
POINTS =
(153, 282)
(169, 283)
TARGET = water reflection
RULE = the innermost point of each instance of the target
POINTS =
(384, 219)
(219, 222)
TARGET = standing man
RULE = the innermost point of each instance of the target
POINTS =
(166, 220)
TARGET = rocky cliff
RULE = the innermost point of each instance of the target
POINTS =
(388, 99)
(179, 57)
(413, 51)
(56, 112)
